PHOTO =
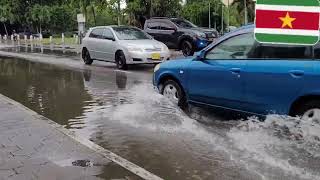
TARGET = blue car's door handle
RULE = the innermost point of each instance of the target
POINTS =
(235, 70)
(296, 73)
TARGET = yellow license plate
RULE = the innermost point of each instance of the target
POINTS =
(155, 56)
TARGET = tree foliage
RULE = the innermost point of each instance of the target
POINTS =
(60, 15)
(240, 6)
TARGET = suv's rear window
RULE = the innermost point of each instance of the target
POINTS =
(183, 23)
(153, 25)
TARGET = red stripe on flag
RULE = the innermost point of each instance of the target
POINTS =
(270, 19)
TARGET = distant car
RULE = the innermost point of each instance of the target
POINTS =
(22, 34)
(122, 45)
(180, 34)
(45, 34)
(238, 73)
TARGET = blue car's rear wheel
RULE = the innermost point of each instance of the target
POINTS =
(173, 91)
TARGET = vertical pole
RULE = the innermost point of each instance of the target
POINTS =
(215, 17)
(119, 11)
(245, 13)
(222, 19)
(228, 25)
(209, 15)
(5, 28)
(62, 38)
(151, 13)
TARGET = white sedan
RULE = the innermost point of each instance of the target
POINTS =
(123, 45)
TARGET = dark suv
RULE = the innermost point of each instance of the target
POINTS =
(180, 34)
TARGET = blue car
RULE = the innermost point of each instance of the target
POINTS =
(238, 73)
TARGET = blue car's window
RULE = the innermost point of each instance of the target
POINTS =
(281, 52)
(245, 47)
(317, 51)
(236, 47)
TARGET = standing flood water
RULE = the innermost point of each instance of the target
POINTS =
(121, 112)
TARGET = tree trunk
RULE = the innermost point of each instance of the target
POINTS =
(5, 28)
(119, 11)
(94, 15)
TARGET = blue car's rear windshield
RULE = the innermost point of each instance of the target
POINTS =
(126, 33)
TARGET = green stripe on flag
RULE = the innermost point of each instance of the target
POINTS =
(290, 39)
(289, 2)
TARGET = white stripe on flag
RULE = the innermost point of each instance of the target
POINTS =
(314, 9)
(287, 31)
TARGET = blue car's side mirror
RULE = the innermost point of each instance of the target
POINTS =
(200, 55)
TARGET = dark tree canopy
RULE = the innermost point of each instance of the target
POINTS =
(60, 15)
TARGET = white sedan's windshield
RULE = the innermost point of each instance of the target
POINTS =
(125, 33)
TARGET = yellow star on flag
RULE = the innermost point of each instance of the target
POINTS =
(287, 21)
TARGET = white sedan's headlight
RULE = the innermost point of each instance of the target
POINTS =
(134, 49)
(156, 68)
(165, 48)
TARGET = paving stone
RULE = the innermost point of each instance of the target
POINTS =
(22, 177)
(4, 174)
(10, 164)
(30, 148)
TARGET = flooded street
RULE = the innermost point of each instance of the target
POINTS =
(122, 112)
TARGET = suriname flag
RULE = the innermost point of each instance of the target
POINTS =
(287, 21)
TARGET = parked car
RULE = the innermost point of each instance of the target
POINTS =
(241, 74)
(180, 34)
(45, 34)
(123, 45)
(26, 33)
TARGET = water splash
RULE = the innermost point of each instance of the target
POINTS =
(284, 143)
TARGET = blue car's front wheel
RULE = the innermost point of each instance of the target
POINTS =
(173, 91)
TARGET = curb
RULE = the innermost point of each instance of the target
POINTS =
(135, 169)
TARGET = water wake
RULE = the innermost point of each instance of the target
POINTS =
(280, 143)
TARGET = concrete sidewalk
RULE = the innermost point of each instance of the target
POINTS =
(71, 48)
(33, 147)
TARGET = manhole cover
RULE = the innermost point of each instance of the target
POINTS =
(82, 163)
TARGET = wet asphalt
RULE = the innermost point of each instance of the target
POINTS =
(121, 111)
